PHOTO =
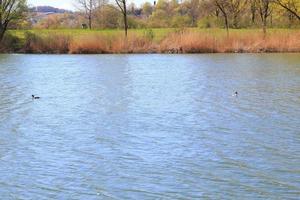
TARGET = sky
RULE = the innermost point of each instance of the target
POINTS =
(65, 4)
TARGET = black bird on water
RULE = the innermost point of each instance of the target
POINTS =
(34, 97)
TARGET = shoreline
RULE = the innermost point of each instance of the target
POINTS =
(152, 53)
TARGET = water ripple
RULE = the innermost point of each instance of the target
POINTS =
(150, 126)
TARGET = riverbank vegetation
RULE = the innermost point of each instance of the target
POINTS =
(192, 40)
(165, 26)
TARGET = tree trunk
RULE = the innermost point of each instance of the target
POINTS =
(90, 22)
(2, 31)
(290, 16)
(217, 13)
(1, 35)
(125, 19)
(265, 26)
(253, 14)
(226, 24)
(90, 19)
(264, 14)
(235, 21)
(1, 25)
(90, 13)
(222, 10)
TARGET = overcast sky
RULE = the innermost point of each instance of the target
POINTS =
(66, 4)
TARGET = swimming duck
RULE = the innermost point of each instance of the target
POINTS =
(34, 97)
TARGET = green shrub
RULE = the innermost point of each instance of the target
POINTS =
(48, 43)
(181, 21)
(149, 34)
(10, 43)
(209, 22)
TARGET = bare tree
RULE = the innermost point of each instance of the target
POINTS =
(147, 9)
(253, 10)
(291, 6)
(123, 7)
(265, 12)
(10, 10)
(193, 7)
(89, 7)
(222, 6)
(235, 8)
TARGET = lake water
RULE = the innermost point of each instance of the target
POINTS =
(150, 126)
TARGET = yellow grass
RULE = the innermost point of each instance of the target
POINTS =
(177, 41)
(193, 42)
(109, 44)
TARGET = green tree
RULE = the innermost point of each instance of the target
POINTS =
(10, 11)
(147, 9)
(108, 16)
(159, 18)
(193, 7)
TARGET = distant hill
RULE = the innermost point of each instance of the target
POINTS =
(42, 12)
(48, 9)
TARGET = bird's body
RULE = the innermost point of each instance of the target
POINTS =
(34, 97)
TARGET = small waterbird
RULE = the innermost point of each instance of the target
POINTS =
(34, 97)
(236, 94)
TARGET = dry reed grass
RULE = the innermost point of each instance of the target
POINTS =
(54, 43)
(179, 42)
(93, 44)
(192, 42)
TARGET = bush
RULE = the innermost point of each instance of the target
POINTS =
(209, 22)
(181, 21)
(10, 43)
(149, 34)
(49, 43)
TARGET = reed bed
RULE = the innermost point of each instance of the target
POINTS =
(55, 43)
(192, 42)
(185, 41)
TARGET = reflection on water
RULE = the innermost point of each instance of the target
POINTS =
(150, 126)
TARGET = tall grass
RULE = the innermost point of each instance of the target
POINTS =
(249, 42)
(10, 44)
(109, 44)
(52, 43)
(89, 44)
(176, 41)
